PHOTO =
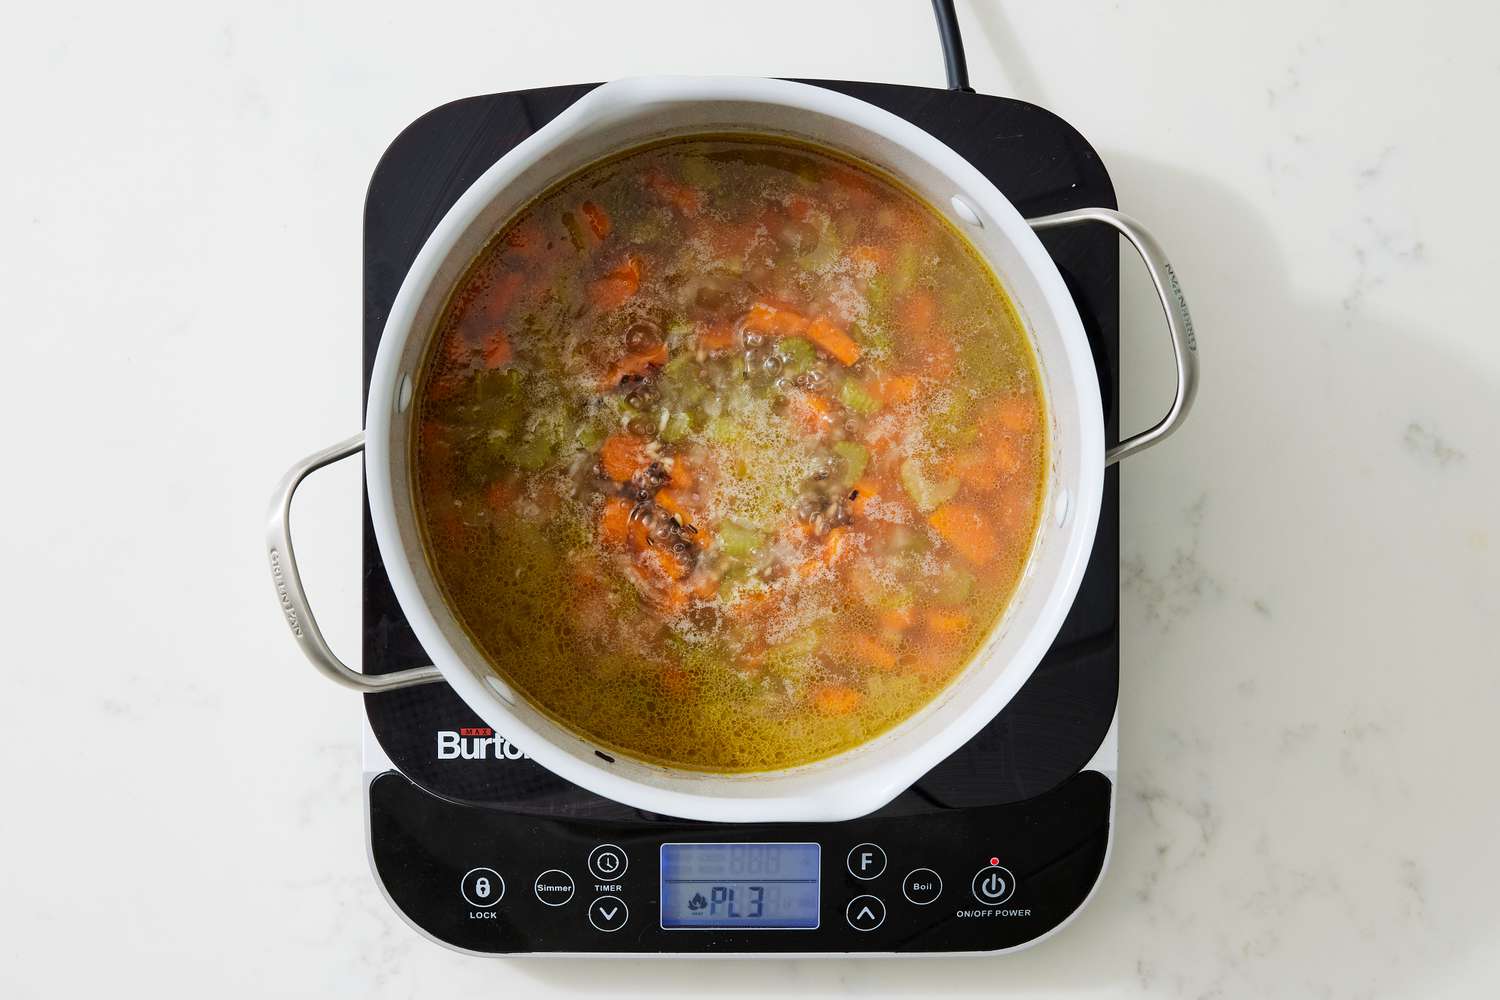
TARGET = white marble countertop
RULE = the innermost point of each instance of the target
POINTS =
(1311, 597)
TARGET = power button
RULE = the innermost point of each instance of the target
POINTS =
(993, 885)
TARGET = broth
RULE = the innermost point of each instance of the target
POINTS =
(730, 453)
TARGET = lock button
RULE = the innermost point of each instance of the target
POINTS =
(482, 887)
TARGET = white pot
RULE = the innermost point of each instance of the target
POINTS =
(629, 112)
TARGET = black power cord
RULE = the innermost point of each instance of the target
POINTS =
(953, 46)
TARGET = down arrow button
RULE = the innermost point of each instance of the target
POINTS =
(608, 913)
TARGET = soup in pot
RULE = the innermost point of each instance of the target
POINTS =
(730, 453)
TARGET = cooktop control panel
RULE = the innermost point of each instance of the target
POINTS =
(496, 881)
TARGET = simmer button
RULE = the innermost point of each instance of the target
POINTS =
(554, 887)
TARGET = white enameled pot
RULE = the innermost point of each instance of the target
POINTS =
(626, 113)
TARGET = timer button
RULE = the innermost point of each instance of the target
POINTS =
(607, 862)
(608, 914)
(865, 913)
(866, 861)
(482, 887)
(993, 885)
(922, 886)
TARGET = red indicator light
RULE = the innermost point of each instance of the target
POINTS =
(994, 861)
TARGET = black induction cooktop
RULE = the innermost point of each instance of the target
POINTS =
(488, 852)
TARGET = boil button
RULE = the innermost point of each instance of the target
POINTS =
(922, 886)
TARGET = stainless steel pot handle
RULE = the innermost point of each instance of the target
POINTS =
(293, 598)
(1179, 321)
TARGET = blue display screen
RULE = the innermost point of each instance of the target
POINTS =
(748, 886)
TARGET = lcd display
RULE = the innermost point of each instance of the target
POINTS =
(750, 886)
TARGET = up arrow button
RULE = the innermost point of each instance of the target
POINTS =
(865, 913)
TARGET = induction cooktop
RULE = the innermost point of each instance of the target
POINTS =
(484, 851)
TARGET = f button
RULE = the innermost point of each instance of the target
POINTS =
(866, 861)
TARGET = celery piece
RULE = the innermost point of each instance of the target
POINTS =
(855, 397)
(700, 172)
(532, 452)
(927, 495)
(676, 427)
(574, 225)
(905, 271)
(855, 457)
(953, 586)
(738, 541)
(825, 253)
(590, 436)
(797, 355)
(723, 430)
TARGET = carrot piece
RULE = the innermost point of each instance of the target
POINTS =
(611, 291)
(623, 455)
(896, 619)
(813, 413)
(1007, 455)
(526, 238)
(973, 468)
(638, 534)
(489, 307)
(672, 504)
(499, 495)
(1015, 413)
(879, 257)
(768, 318)
(635, 364)
(872, 653)
(668, 562)
(497, 352)
(834, 547)
(614, 522)
(834, 701)
(704, 586)
(833, 340)
(944, 622)
(799, 207)
(863, 491)
(893, 390)
(597, 218)
(715, 336)
(680, 478)
(917, 312)
(964, 528)
(687, 200)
